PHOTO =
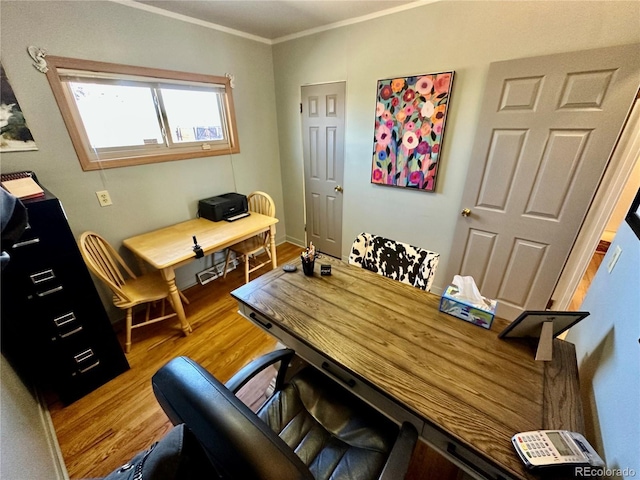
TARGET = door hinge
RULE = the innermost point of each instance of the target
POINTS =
(550, 304)
(300, 107)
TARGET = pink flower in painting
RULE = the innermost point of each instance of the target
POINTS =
(383, 135)
(379, 109)
(410, 126)
(386, 115)
(389, 124)
(386, 92)
(442, 82)
(416, 177)
(427, 109)
(424, 85)
(435, 148)
(409, 110)
(437, 128)
(410, 140)
(377, 175)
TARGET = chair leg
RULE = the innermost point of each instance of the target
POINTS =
(129, 321)
(226, 262)
(246, 269)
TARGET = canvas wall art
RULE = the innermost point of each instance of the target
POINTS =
(410, 118)
(15, 136)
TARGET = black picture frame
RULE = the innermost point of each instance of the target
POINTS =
(529, 323)
(633, 216)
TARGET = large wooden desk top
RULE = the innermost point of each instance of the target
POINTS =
(459, 378)
(173, 246)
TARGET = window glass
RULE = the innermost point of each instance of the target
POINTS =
(119, 115)
(193, 115)
(116, 115)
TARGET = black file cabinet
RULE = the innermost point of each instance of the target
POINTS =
(55, 330)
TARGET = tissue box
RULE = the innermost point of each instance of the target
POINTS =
(481, 315)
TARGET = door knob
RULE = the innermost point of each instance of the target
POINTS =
(338, 188)
(466, 212)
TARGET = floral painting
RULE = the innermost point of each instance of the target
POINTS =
(409, 128)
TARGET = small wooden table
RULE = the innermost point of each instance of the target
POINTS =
(466, 391)
(171, 247)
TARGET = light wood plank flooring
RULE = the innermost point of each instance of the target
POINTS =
(586, 280)
(104, 429)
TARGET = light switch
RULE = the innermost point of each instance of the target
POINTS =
(614, 258)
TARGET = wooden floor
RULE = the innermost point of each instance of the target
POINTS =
(104, 429)
(586, 280)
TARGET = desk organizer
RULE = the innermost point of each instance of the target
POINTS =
(481, 315)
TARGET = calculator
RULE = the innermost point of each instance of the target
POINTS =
(541, 449)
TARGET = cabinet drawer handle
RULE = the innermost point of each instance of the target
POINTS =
(348, 381)
(83, 356)
(72, 332)
(254, 317)
(64, 319)
(33, 241)
(49, 292)
(40, 277)
(85, 370)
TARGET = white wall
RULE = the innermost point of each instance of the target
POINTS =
(461, 36)
(144, 197)
(28, 446)
(609, 355)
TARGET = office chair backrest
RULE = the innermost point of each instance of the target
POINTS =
(103, 260)
(393, 259)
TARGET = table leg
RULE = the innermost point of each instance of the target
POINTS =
(272, 245)
(169, 275)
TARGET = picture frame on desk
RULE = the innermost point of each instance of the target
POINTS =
(529, 323)
(633, 216)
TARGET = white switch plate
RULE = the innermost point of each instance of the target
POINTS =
(614, 258)
(104, 198)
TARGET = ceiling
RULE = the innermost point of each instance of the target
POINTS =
(272, 20)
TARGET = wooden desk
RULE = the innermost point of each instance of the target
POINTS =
(171, 247)
(465, 390)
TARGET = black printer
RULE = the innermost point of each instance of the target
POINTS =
(230, 206)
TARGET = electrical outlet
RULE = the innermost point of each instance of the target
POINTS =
(614, 258)
(104, 198)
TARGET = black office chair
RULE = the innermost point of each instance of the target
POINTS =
(310, 428)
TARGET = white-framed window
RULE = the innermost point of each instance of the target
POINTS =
(120, 115)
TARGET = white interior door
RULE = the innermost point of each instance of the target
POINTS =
(323, 115)
(547, 129)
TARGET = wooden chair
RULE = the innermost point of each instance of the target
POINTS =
(259, 202)
(128, 289)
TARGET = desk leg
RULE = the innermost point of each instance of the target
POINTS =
(272, 245)
(170, 276)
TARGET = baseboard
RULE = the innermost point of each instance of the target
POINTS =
(60, 469)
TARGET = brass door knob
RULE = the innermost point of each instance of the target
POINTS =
(338, 188)
(466, 212)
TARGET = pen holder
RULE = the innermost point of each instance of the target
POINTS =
(307, 267)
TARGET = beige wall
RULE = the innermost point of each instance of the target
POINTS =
(149, 196)
(461, 36)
